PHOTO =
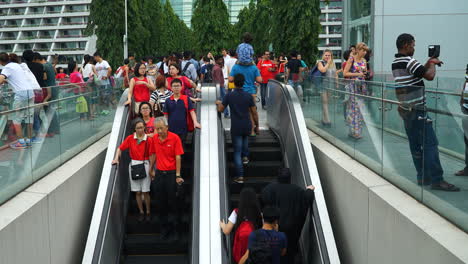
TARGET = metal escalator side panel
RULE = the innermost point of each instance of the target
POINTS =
(100, 218)
(210, 233)
(286, 119)
(195, 247)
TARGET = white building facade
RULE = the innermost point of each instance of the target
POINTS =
(46, 26)
(331, 20)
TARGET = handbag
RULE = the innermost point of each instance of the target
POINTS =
(158, 111)
(139, 171)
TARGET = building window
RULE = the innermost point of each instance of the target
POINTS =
(360, 8)
(334, 29)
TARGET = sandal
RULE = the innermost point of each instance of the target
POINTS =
(445, 186)
(239, 180)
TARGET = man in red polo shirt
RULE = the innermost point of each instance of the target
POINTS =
(268, 70)
(166, 150)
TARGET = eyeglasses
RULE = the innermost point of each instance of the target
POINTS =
(145, 108)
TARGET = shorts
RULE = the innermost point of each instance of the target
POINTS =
(25, 114)
(137, 107)
(142, 185)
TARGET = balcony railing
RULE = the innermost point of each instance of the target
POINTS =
(71, 36)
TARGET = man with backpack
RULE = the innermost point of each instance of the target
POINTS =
(188, 69)
(206, 72)
(266, 245)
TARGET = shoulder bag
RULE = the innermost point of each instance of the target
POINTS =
(139, 171)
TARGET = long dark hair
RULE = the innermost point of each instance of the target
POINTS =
(249, 208)
(86, 59)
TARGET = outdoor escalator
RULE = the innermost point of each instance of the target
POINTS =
(284, 143)
(265, 160)
(115, 235)
(143, 242)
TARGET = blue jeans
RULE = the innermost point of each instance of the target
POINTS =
(222, 91)
(423, 146)
(263, 92)
(241, 149)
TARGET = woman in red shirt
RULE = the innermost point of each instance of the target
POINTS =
(140, 87)
(139, 144)
(187, 84)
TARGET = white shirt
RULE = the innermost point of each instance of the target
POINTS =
(233, 217)
(101, 69)
(229, 63)
(21, 79)
(88, 70)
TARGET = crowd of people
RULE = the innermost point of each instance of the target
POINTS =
(163, 92)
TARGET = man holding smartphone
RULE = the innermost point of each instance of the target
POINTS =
(409, 75)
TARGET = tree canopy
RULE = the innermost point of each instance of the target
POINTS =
(296, 26)
(210, 25)
(155, 29)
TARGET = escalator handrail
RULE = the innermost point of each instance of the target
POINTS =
(223, 186)
(328, 250)
(94, 243)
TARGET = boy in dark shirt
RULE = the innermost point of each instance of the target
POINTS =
(242, 106)
(266, 245)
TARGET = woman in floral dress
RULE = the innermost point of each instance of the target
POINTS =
(356, 70)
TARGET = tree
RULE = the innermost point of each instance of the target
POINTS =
(153, 29)
(296, 26)
(109, 29)
(210, 24)
(249, 21)
(175, 35)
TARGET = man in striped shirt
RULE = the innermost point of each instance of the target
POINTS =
(409, 75)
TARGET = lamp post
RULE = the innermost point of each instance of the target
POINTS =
(125, 37)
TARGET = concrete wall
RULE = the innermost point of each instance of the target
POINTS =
(49, 221)
(375, 222)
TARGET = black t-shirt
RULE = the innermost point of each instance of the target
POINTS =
(294, 65)
(239, 102)
(38, 70)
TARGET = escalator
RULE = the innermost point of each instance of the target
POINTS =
(115, 235)
(265, 160)
(284, 144)
(143, 242)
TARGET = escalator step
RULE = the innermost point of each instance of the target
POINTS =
(153, 244)
(257, 183)
(153, 227)
(258, 143)
(258, 168)
(156, 259)
(260, 153)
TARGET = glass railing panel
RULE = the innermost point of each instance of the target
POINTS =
(45, 146)
(368, 126)
(318, 107)
(394, 132)
(16, 118)
(449, 125)
(75, 117)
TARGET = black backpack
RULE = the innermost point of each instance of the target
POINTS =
(184, 70)
(209, 74)
(260, 253)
